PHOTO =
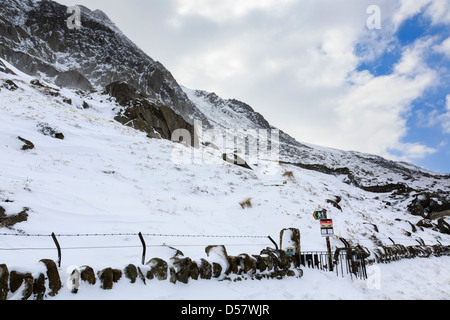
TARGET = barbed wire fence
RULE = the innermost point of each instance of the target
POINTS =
(141, 236)
(314, 259)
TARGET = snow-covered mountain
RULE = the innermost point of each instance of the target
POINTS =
(35, 38)
(82, 113)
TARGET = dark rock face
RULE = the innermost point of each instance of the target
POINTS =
(74, 80)
(92, 56)
(235, 159)
(143, 115)
(5, 69)
(430, 205)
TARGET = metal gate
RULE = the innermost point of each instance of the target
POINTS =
(345, 262)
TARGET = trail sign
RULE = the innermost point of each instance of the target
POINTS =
(326, 227)
(319, 214)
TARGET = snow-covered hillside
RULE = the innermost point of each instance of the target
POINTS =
(104, 177)
(80, 113)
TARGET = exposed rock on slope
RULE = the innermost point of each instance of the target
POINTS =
(142, 114)
(34, 37)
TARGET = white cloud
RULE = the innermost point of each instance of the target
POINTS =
(221, 11)
(296, 62)
(444, 47)
(437, 10)
(413, 151)
(413, 61)
(408, 9)
(298, 68)
(445, 118)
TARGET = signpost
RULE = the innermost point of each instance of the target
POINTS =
(326, 229)
(319, 214)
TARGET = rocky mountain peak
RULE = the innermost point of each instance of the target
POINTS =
(34, 37)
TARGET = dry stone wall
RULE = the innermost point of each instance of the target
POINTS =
(218, 265)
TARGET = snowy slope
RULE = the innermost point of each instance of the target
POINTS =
(363, 169)
(104, 177)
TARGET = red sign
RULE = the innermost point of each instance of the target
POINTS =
(326, 227)
(326, 223)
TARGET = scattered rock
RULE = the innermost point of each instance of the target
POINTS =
(28, 145)
(235, 159)
(85, 105)
(426, 223)
(334, 204)
(10, 85)
(45, 129)
(9, 221)
(443, 226)
(247, 203)
(45, 89)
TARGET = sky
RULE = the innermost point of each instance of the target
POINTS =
(368, 76)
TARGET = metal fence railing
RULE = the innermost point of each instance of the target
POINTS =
(344, 263)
